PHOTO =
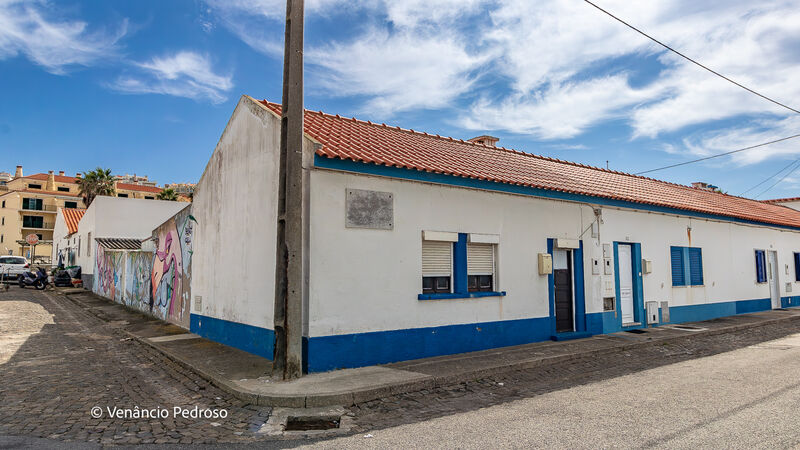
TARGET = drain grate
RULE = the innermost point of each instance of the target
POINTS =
(637, 331)
(311, 423)
(687, 327)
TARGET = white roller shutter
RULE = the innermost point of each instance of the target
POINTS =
(437, 258)
(480, 259)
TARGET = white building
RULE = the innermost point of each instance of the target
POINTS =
(65, 242)
(112, 217)
(793, 202)
(420, 245)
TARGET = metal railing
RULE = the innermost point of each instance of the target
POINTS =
(49, 208)
(44, 226)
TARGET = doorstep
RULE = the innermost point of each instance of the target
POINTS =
(248, 377)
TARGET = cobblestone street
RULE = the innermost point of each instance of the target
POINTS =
(57, 362)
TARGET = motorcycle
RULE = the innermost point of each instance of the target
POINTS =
(37, 280)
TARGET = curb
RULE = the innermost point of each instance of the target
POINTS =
(429, 381)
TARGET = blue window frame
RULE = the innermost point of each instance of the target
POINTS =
(687, 266)
(761, 267)
(796, 266)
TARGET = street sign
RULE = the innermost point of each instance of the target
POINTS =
(32, 239)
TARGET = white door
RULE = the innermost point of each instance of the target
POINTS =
(625, 283)
(772, 273)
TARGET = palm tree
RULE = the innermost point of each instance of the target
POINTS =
(168, 194)
(96, 182)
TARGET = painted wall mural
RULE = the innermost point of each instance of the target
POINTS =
(171, 271)
(157, 283)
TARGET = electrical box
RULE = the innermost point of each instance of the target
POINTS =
(595, 266)
(568, 243)
(608, 268)
(665, 312)
(545, 264)
(609, 290)
(788, 287)
(606, 250)
(647, 266)
(652, 312)
(608, 304)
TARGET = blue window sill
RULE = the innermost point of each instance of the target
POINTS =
(460, 295)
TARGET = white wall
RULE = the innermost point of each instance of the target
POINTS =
(60, 232)
(233, 265)
(117, 217)
(368, 280)
(792, 204)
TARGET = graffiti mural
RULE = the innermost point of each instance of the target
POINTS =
(157, 283)
(171, 268)
(109, 274)
(137, 280)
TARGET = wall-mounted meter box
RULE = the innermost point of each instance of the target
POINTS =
(595, 266)
(608, 268)
(652, 312)
(647, 266)
(545, 264)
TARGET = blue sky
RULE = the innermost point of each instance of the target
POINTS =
(147, 87)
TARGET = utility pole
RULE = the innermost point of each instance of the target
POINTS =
(289, 267)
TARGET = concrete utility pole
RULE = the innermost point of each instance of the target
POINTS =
(289, 268)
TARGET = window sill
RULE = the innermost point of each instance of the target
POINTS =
(453, 296)
(690, 286)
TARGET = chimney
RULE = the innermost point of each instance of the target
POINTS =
(491, 141)
(18, 173)
(61, 173)
(705, 186)
(77, 174)
(51, 182)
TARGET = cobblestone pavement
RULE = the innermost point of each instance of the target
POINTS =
(57, 361)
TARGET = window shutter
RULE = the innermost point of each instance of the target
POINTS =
(695, 266)
(480, 259)
(797, 266)
(678, 274)
(761, 272)
(437, 258)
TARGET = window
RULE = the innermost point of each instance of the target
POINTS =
(687, 266)
(34, 186)
(34, 204)
(4, 203)
(40, 236)
(796, 266)
(89, 244)
(147, 197)
(72, 205)
(437, 263)
(32, 222)
(63, 189)
(122, 195)
(480, 267)
(79, 246)
(1, 238)
(3, 221)
(761, 267)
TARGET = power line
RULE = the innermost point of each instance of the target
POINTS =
(776, 183)
(721, 154)
(770, 177)
(690, 59)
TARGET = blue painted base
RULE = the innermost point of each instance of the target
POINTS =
(787, 302)
(256, 340)
(325, 353)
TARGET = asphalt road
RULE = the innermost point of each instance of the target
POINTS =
(746, 398)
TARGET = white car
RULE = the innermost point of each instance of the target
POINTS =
(13, 266)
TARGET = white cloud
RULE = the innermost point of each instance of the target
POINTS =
(551, 68)
(55, 45)
(183, 74)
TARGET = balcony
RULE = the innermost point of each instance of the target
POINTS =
(36, 224)
(41, 208)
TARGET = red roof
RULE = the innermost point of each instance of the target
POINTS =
(44, 176)
(72, 217)
(367, 142)
(139, 187)
(782, 200)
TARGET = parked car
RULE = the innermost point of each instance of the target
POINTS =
(13, 266)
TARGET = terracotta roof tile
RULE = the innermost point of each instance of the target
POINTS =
(138, 187)
(44, 176)
(356, 140)
(72, 217)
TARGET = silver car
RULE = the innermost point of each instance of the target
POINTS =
(13, 266)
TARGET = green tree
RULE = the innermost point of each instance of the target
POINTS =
(96, 182)
(168, 194)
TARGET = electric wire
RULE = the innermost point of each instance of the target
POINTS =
(690, 59)
(719, 155)
(770, 177)
(776, 183)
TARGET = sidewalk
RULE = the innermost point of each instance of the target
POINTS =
(248, 377)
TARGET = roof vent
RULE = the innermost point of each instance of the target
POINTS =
(491, 141)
